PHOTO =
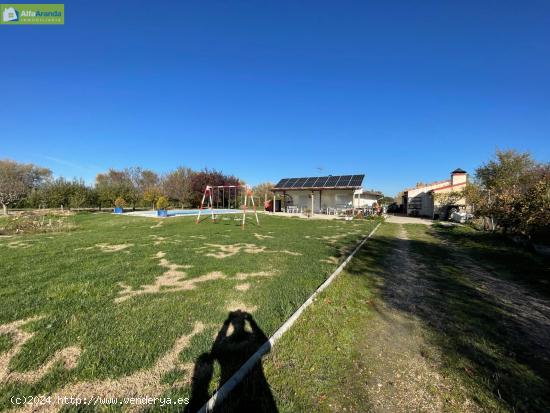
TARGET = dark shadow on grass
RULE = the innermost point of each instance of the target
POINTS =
(236, 341)
(491, 329)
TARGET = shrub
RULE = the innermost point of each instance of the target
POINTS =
(162, 203)
(34, 224)
(120, 202)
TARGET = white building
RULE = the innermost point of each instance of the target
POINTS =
(422, 200)
(324, 193)
(363, 198)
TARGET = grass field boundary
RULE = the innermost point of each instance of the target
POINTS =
(240, 374)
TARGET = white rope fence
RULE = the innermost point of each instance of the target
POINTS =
(218, 397)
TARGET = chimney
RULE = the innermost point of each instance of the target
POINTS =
(458, 176)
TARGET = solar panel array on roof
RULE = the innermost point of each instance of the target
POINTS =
(281, 183)
(356, 180)
(338, 181)
(344, 180)
(311, 181)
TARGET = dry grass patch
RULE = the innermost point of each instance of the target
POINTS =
(158, 240)
(142, 383)
(68, 356)
(158, 224)
(237, 305)
(19, 244)
(229, 250)
(331, 260)
(262, 237)
(173, 279)
(242, 287)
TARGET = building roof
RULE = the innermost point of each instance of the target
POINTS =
(321, 182)
(447, 187)
(372, 192)
(444, 181)
(458, 171)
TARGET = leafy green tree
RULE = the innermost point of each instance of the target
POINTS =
(61, 192)
(114, 184)
(151, 195)
(162, 203)
(508, 190)
(80, 195)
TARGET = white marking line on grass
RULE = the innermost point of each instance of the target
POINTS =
(240, 374)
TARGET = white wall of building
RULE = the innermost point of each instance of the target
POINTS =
(322, 199)
(421, 200)
(337, 198)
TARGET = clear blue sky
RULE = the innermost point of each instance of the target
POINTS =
(402, 91)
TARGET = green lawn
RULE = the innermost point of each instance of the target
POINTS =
(436, 319)
(123, 306)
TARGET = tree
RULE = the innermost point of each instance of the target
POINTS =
(149, 186)
(56, 193)
(199, 181)
(508, 189)
(17, 180)
(149, 179)
(114, 184)
(151, 195)
(162, 203)
(264, 191)
(61, 192)
(120, 202)
(80, 195)
(177, 186)
(534, 206)
(444, 199)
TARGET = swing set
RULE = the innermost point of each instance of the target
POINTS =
(227, 199)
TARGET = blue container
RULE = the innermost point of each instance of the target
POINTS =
(162, 213)
(119, 210)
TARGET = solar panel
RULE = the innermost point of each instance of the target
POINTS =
(356, 180)
(338, 181)
(344, 180)
(300, 183)
(321, 181)
(310, 182)
(281, 183)
(331, 181)
(291, 182)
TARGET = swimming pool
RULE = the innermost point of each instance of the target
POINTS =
(186, 212)
(174, 212)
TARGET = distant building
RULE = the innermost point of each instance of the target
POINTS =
(363, 198)
(422, 200)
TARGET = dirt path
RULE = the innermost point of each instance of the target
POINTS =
(403, 369)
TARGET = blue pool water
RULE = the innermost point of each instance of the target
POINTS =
(186, 212)
(174, 212)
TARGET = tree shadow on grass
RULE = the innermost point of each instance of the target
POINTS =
(236, 341)
(492, 330)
